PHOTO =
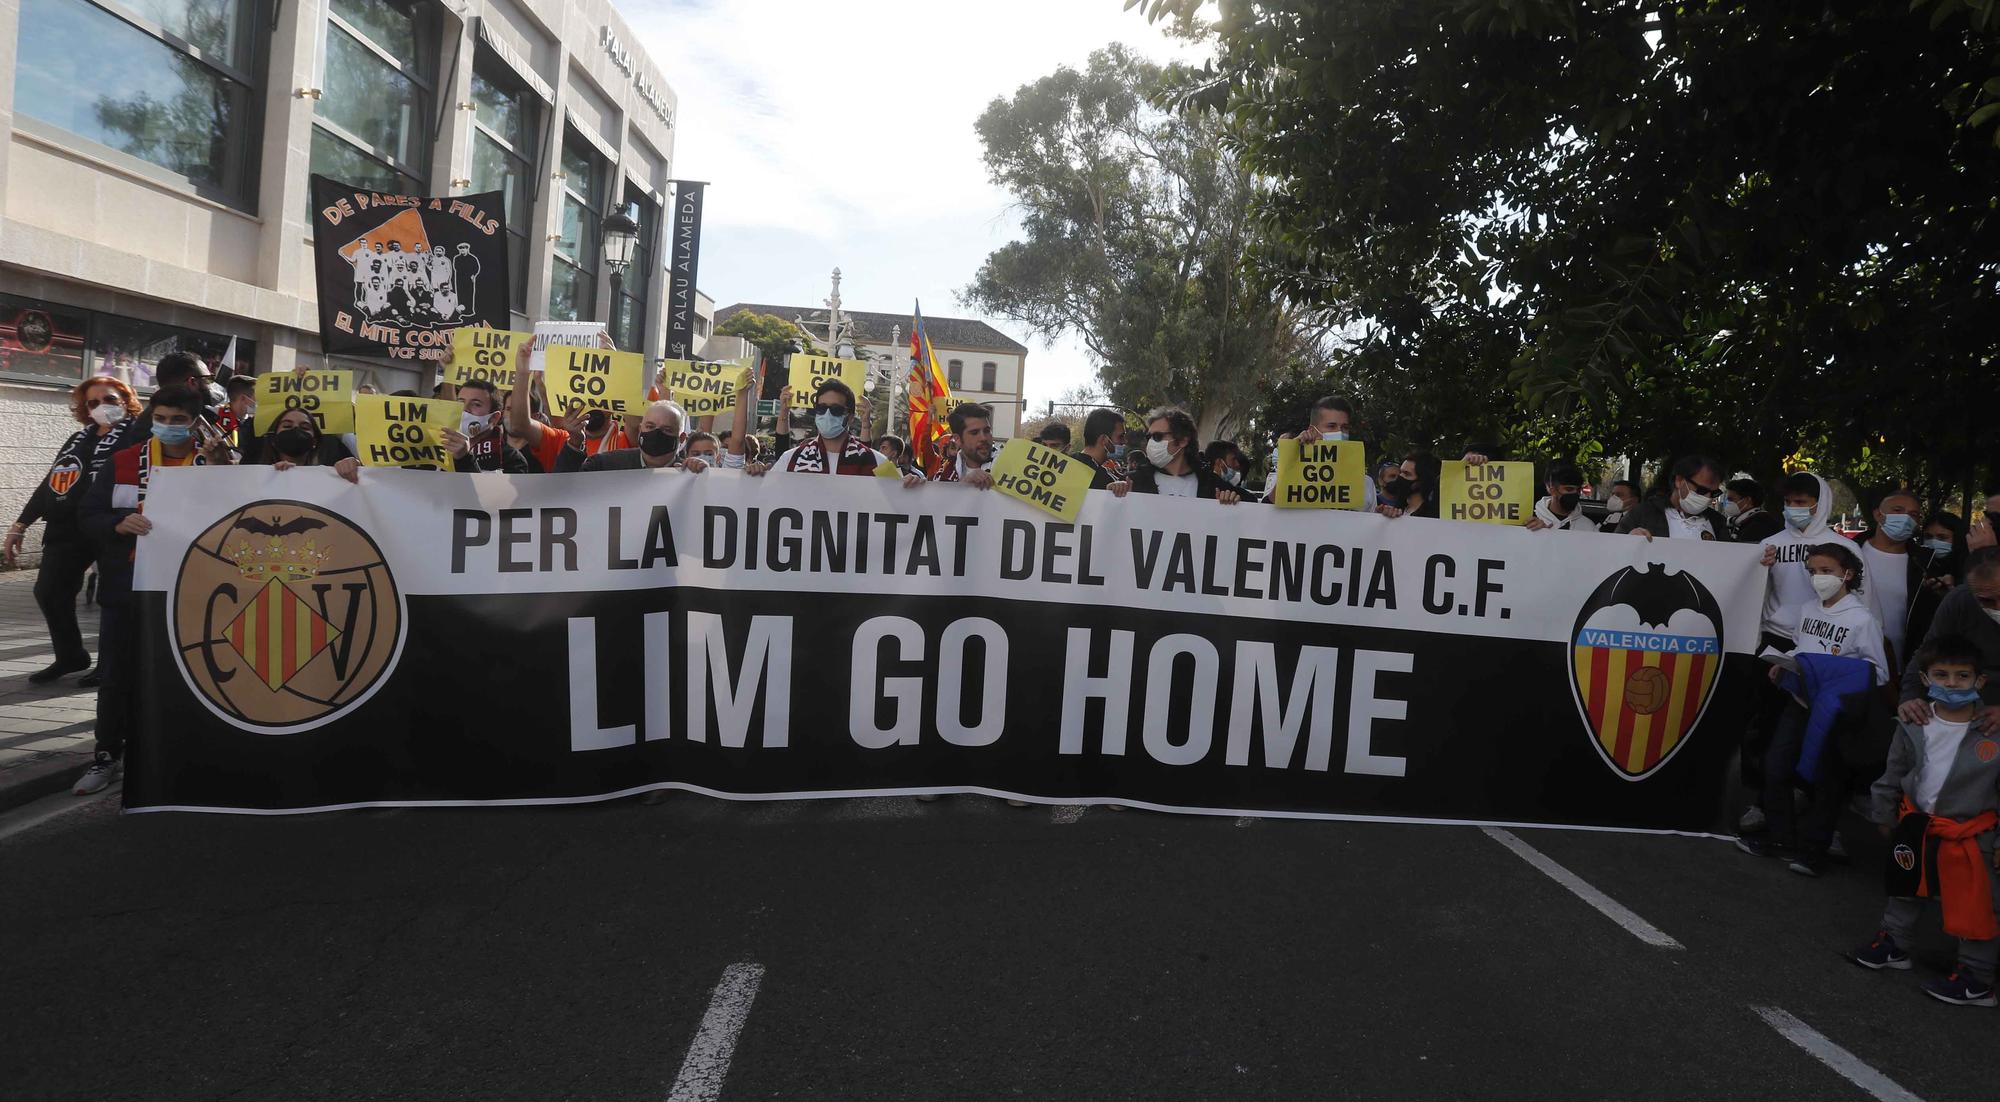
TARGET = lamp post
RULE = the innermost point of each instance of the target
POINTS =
(621, 237)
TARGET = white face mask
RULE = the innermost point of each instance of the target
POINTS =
(1694, 503)
(1233, 476)
(107, 415)
(1730, 509)
(1828, 586)
(1159, 453)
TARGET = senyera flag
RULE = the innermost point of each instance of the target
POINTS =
(928, 393)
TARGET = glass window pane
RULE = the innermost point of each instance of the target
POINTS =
(988, 375)
(494, 169)
(209, 25)
(371, 100)
(337, 160)
(105, 80)
(627, 327)
(41, 339)
(390, 24)
(579, 235)
(581, 169)
(130, 349)
(517, 271)
(502, 110)
(571, 293)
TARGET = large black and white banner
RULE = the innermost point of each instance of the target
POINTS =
(397, 273)
(432, 638)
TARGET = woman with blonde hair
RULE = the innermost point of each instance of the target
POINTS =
(97, 403)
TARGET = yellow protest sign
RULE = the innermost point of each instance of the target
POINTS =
(327, 395)
(596, 378)
(1042, 477)
(481, 353)
(1491, 493)
(403, 432)
(1320, 474)
(807, 372)
(705, 388)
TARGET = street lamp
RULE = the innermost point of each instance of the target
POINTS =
(621, 237)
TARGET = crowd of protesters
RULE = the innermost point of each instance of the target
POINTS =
(1884, 646)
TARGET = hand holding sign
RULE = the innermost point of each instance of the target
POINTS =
(327, 395)
(478, 353)
(1490, 493)
(593, 378)
(404, 432)
(1320, 474)
(1042, 477)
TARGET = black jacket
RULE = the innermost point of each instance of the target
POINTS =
(1099, 477)
(1757, 526)
(620, 459)
(1651, 514)
(70, 470)
(1146, 480)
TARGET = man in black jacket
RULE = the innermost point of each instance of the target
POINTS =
(1103, 443)
(660, 439)
(1686, 508)
(1743, 504)
(1970, 611)
(1174, 466)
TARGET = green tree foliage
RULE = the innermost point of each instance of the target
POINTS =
(1759, 229)
(1134, 221)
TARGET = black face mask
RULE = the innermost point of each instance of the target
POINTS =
(1400, 487)
(1567, 502)
(659, 442)
(294, 442)
(595, 420)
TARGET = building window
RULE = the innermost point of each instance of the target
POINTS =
(954, 374)
(49, 342)
(989, 376)
(628, 322)
(700, 327)
(503, 160)
(170, 82)
(573, 282)
(371, 123)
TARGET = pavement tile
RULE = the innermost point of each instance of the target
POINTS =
(62, 713)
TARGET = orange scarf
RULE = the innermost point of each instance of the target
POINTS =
(1963, 887)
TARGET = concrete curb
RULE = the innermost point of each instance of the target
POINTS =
(28, 783)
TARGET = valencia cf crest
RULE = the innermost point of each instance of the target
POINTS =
(1905, 857)
(1644, 657)
(63, 477)
(284, 617)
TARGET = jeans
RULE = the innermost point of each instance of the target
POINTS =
(1812, 831)
(56, 586)
(118, 676)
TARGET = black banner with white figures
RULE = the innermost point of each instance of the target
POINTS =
(440, 638)
(397, 273)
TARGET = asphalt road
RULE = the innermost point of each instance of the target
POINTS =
(885, 949)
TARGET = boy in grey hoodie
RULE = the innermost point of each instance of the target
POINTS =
(1939, 800)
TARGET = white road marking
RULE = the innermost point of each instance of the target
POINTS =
(707, 1062)
(1611, 908)
(50, 807)
(1844, 1063)
(1067, 813)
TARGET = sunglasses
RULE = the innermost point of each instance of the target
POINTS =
(107, 400)
(841, 410)
(1162, 437)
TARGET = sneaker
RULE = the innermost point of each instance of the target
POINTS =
(1836, 850)
(99, 776)
(1017, 803)
(1752, 821)
(1807, 865)
(1758, 847)
(1962, 988)
(61, 667)
(1881, 953)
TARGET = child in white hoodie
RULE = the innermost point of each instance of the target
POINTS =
(1808, 502)
(1834, 620)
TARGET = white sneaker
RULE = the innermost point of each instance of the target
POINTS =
(1752, 820)
(1017, 803)
(98, 777)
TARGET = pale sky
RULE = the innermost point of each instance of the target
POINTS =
(840, 135)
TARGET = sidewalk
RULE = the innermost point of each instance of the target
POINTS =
(45, 730)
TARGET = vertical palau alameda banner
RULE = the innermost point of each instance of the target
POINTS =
(397, 273)
(683, 268)
(440, 638)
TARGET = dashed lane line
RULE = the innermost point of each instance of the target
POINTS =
(1609, 907)
(1844, 1063)
(707, 1061)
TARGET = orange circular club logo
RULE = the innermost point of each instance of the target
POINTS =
(285, 617)
(1987, 749)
